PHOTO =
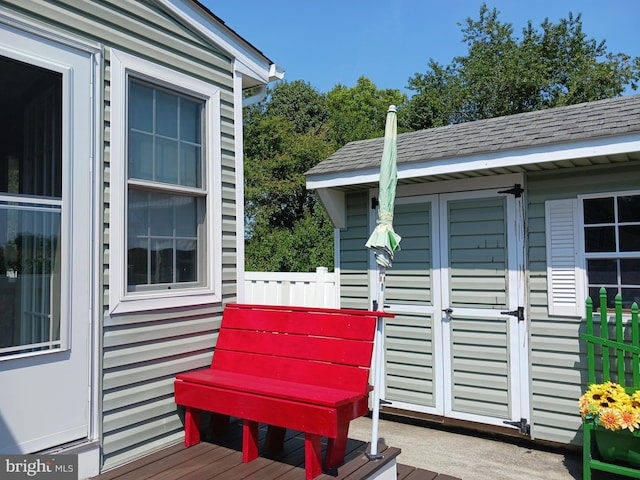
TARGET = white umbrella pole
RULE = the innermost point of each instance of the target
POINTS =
(377, 371)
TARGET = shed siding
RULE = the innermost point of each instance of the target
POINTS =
(354, 256)
(143, 352)
(557, 356)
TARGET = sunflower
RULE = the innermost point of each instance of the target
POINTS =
(609, 405)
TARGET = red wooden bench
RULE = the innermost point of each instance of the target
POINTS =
(305, 369)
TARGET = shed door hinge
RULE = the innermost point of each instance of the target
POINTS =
(374, 203)
(522, 425)
(515, 313)
(516, 191)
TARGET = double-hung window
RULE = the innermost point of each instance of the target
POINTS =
(167, 216)
(611, 226)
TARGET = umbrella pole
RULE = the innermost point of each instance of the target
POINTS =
(377, 372)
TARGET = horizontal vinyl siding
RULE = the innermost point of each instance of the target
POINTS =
(557, 356)
(409, 281)
(409, 359)
(142, 353)
(354, 256)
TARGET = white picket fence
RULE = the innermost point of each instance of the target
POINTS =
(314, 289)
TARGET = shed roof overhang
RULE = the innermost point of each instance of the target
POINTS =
(331, 187)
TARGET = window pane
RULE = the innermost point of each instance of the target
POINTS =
(162, 266)
(190, 115)
(161, 214)
(600, 239)
(29, 276)
(166, 161)
(186, 217)
(598, 210)
(594, 293)
(162, 249)
(629, 296)
(630, 271)
(140, 156)
(166, 114)
(186, 261)
(629, 209)
(602, 272)
(141, 107)
(190, 165)
(629, 238)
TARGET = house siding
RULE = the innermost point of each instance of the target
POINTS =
(141, 353)
(557, 356)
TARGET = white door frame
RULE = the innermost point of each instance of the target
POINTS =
(519, 370)
(13, 26)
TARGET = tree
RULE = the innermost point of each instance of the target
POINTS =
(284, 137)
(503, 75)
(359, 113)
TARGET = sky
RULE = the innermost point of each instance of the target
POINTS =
(330, 42)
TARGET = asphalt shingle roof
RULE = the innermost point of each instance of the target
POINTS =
(604, 118)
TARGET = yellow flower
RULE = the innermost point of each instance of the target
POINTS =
(629, 417)
(609, 405)
(610, 419)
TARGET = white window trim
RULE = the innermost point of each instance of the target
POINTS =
(120, 300)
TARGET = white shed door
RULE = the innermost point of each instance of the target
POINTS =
(45, 232)
(452, 350)
(479, 280)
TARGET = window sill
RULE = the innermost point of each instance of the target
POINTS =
(162, 300)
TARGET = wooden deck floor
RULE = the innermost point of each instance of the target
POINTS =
(221, 458)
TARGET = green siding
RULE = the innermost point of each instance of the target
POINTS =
(143, 352)
(409, 359)
(354, 256)
(557, 356)
(409, 281)
(477, 253)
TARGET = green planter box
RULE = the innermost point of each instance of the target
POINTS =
(620, 446)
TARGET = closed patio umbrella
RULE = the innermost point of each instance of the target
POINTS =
(384, 241)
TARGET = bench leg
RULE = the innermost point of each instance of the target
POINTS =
(312, 456)
(191, 426)
(275, 439)
(336, 447)
(249, 440)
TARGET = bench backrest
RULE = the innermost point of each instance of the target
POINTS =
(316, 346)
(612, 355)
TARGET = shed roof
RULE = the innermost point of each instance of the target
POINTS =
(601, 119)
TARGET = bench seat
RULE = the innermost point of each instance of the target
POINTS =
(269, 387)
(305, 369)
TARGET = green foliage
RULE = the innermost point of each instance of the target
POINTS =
(503, 75)
(285, 137)
(359, 113)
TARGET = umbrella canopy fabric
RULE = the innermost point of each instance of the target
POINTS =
(384, 241)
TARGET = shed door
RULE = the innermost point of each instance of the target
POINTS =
(45, 230)
(451, 350)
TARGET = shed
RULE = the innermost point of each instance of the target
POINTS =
(121, 216)
(507, 225)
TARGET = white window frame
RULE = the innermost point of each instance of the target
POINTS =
(599, 255)
(121, 300)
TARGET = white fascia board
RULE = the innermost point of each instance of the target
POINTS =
(529, 156)
(255, 64)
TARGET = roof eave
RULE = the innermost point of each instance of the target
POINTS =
(256, 67)
(498, 159)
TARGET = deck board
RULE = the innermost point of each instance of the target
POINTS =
(220, 457)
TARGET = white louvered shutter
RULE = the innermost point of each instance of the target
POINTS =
(564, 265)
